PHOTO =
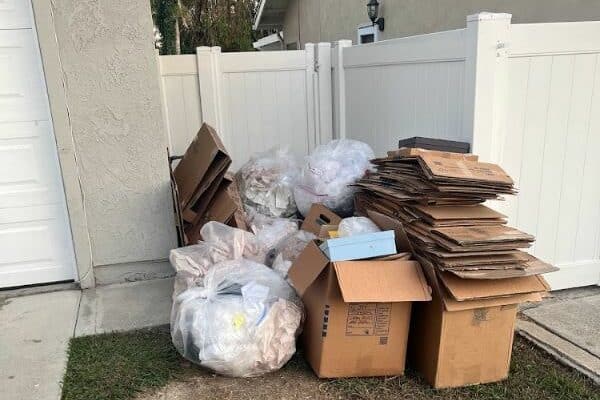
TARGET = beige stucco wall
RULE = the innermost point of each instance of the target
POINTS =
(114, 111)
(340, 18)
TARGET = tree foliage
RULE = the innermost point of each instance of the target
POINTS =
(225, 23)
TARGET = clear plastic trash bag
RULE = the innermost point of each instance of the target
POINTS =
(221, 243)
(242, 320)
(327, 172)
(266, 183)
(280, 237)
(356, 226)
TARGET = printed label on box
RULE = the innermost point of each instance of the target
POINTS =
(368, 319)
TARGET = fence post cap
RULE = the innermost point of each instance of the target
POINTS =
(488, 16)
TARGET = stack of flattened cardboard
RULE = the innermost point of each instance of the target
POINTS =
(201, 190)
(454, 231)
(473, 261)
(432, 177)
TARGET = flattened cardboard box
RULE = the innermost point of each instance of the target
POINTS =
(457, 343)
(358, 312)
(204, 161)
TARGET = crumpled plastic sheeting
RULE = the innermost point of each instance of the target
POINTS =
(356, 226)
(266, 183)
(281, 239)
(221, 243)
(241, 321)
(328, 171)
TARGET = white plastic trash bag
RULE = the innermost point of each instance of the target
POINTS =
(328, 171)
(221, 243)
(356, 226)
(242, 320)
(266, 183)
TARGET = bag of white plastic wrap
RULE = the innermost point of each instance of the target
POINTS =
(266, 183)
(356, 226)
(242, 320)
(221, 243)
(328, 171)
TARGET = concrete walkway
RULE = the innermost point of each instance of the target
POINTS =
(567, 325)
(35, 330)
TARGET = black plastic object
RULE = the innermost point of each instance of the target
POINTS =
(435, 144)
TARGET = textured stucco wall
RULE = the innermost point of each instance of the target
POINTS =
(112, 93)
(340, 18)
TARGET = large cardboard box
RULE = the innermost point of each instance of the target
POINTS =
(358, 312)
(457, 343)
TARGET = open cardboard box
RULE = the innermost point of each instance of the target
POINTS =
(320, 220)
(358, 312)
(465, 335)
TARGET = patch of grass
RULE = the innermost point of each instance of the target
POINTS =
(118, 366)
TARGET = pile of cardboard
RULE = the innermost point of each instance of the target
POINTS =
(202, 189)
(437, 196)
(473, 261)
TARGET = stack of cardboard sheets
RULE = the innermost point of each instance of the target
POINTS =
(474, 262)
(437, 196)
(202, 189)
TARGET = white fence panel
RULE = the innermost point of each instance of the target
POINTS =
(255, 100)
(404, 87)
(181, 100)
(525, 96)
(550, 143)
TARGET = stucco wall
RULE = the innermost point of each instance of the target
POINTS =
(112, 93)
(340, 18)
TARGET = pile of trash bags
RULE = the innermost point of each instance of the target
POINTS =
(233, 310)
(231, 313)
(275, 184)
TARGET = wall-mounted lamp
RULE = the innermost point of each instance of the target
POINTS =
(373, 11)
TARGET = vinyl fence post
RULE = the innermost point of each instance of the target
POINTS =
(311, 98)
(209, 74)
(486, 82)
(339, 89)
(324, 88)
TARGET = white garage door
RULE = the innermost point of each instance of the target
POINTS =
(35, 239)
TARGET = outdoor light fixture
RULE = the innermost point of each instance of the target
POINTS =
(373, 11)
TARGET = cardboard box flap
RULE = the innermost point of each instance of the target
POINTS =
(451, 304)
(464, 169)
(478, 211)
(381, 281)
(319, 216)
(454, 305)
(469, 289)
(307, 267)
(387, 223)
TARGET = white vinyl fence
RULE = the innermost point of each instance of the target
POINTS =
(255, 100)
(525, 96)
